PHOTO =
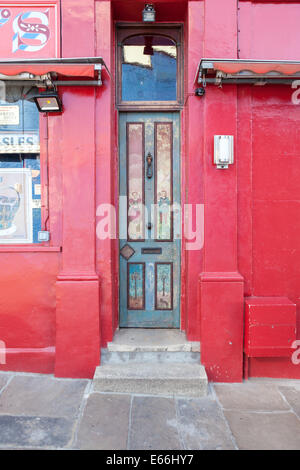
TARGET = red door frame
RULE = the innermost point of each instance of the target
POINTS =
(215, 303)
(184, 324)
(90, 265)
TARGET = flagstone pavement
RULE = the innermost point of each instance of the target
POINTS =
(43, 412)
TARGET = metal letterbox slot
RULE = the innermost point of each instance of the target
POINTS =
(151, 251)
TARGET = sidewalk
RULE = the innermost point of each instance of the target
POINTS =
(42, 412)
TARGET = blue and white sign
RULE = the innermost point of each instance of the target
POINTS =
(28, 142)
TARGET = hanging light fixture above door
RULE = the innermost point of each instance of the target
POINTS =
(149, 13)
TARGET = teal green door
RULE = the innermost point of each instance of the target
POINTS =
(149, 220)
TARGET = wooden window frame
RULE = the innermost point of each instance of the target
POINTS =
(174, 32)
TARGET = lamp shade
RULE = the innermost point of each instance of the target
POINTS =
(48, 102)
(149, 13)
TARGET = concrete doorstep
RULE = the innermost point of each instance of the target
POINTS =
(151, 340)
(170, 379)
(151, 362)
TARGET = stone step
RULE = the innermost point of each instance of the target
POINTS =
(169, 379)
(151, 340)
(153, 357)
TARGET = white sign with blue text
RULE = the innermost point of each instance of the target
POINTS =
(27, 142)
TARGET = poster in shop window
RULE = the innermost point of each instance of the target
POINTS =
(15, 205)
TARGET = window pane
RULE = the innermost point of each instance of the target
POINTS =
(149, 69)
(20, 182)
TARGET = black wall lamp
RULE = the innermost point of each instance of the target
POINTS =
(200, 91)
(48, 102)
(149, 13)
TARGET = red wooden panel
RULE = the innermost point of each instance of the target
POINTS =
(276, 248)
(259, 27)
(277, 367)
(269, 352)
(270, 326)
(270, 311)
(272, 336)
(131, 10)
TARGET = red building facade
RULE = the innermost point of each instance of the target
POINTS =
(239, 290)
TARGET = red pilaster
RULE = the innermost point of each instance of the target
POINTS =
(193, 165)
(77, 313)
(77, 287)
(106, 171)
(221, 286)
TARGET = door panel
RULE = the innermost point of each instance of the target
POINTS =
(163, 179)
(150, 255)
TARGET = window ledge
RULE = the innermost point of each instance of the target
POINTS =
(29, 248)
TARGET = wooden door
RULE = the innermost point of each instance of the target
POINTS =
(149, 221)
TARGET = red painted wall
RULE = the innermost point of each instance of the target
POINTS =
(269, 30)
(27, 307)
(269, 169)
(269, 200)
(264, 122)
(251, 245)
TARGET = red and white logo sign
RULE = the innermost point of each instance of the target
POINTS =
(28, 31)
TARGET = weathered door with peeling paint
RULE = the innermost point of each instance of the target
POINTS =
(149, 220)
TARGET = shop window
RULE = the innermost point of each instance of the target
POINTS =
(20, 170)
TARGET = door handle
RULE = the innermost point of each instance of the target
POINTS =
(149, 160)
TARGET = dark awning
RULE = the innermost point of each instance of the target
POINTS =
(241, 71)
(65, 71)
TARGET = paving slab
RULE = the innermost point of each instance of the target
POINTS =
(154, 424)
(202, 425)
(249, 396)
(41, 412)
(105, 421)
(32, 431)
(42, 396)
(264, 431)
(292, 395)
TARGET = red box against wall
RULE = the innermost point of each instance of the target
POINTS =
(270, 326)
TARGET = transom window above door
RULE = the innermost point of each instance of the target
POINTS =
(149, 67)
